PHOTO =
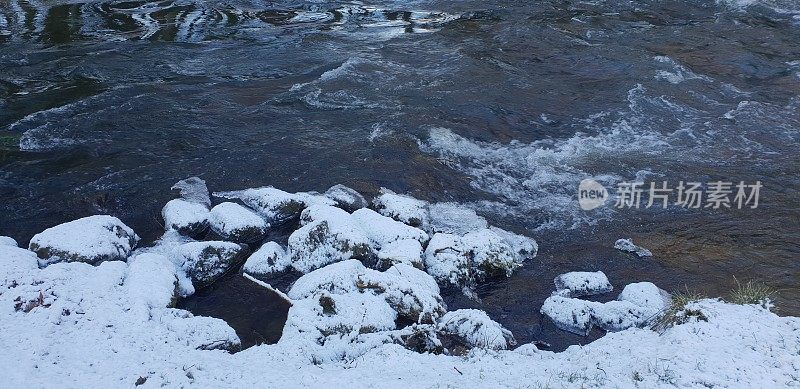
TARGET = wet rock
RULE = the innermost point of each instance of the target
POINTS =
(205, 262)
(628, 246)
(234, 222)
(473, 328)
(406, 251)
(186, 217)
(328, 234)
(453, 218)
(402, 208)
(346, 198)
(193, 190)
(8, 241)
(269, 259)
(91, 239)
(578, 284)
(274, 204)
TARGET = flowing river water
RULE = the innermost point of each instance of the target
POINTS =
(504, 106)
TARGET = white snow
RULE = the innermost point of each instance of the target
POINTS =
(402, 208)
(204, 262)
(581, 283)
(406, 251)
(446, 259)
(628, 246)
(382, 230)
(346, 198)
(476, 329)
(193, 190)
(328, 235)
(8, 241)
(185, 216)
(274, 204)
(90, 239)
(453, 218)
(235, 222)
(270, 258)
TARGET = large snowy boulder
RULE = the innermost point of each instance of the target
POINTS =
(15, 261)
(412, 293)
(328, 235)
(473, 328)
(151, 281)
(234, 222)
(581, 283)
(382, 230)
(269, 259)
(186, 217)
(406, 209)
(92, 239)
(639, 304)
(274, 204)
(406, 251)
(346, 198)
(205, 262)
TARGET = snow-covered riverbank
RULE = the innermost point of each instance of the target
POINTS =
(88, 308)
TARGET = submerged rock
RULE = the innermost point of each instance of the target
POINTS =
(328, 235)
(234, 222)
(91, 239)
(473, 328)
(402, 208)
(628, 246)
(193, 190)
(580, 283)
(186, 217)
(205, 262)
(269, 259)
(346, 198)
(8, 241)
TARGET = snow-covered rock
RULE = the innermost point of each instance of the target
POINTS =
(8, 241)
(412, 293)
(274, 204)
(382, 230)
(475, 329)
(200, 332)
(628, 246)
(491, 254)
(346, 198)
(91, 239)
(406, 251)
(186, 217)
(193, 190)
(453, 218)
(639, 304)
(234, 222)
(151, 280)
(328, 235)
(406, 209)
(205, 262)
(15, 262)
(581, 283)
(524, 246)
(447, 260)
(270, 258)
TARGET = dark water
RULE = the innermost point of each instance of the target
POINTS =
(501, 105)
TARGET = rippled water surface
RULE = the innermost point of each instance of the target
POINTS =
(501, 105)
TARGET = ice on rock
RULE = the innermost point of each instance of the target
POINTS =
(475, 329)
(234, 222)
(628, 246)
(205, 262)
(580, 283)
(453, 218)
(382, 230)
(186, 217)
(8, 241)
(402, 208)
(91, 239)
(410, 292)
(270, 258)
(151, 280)
(328, 235)
(405, 251)
(193, 190)
(346, 198)
(274, 204)
(638, 304)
